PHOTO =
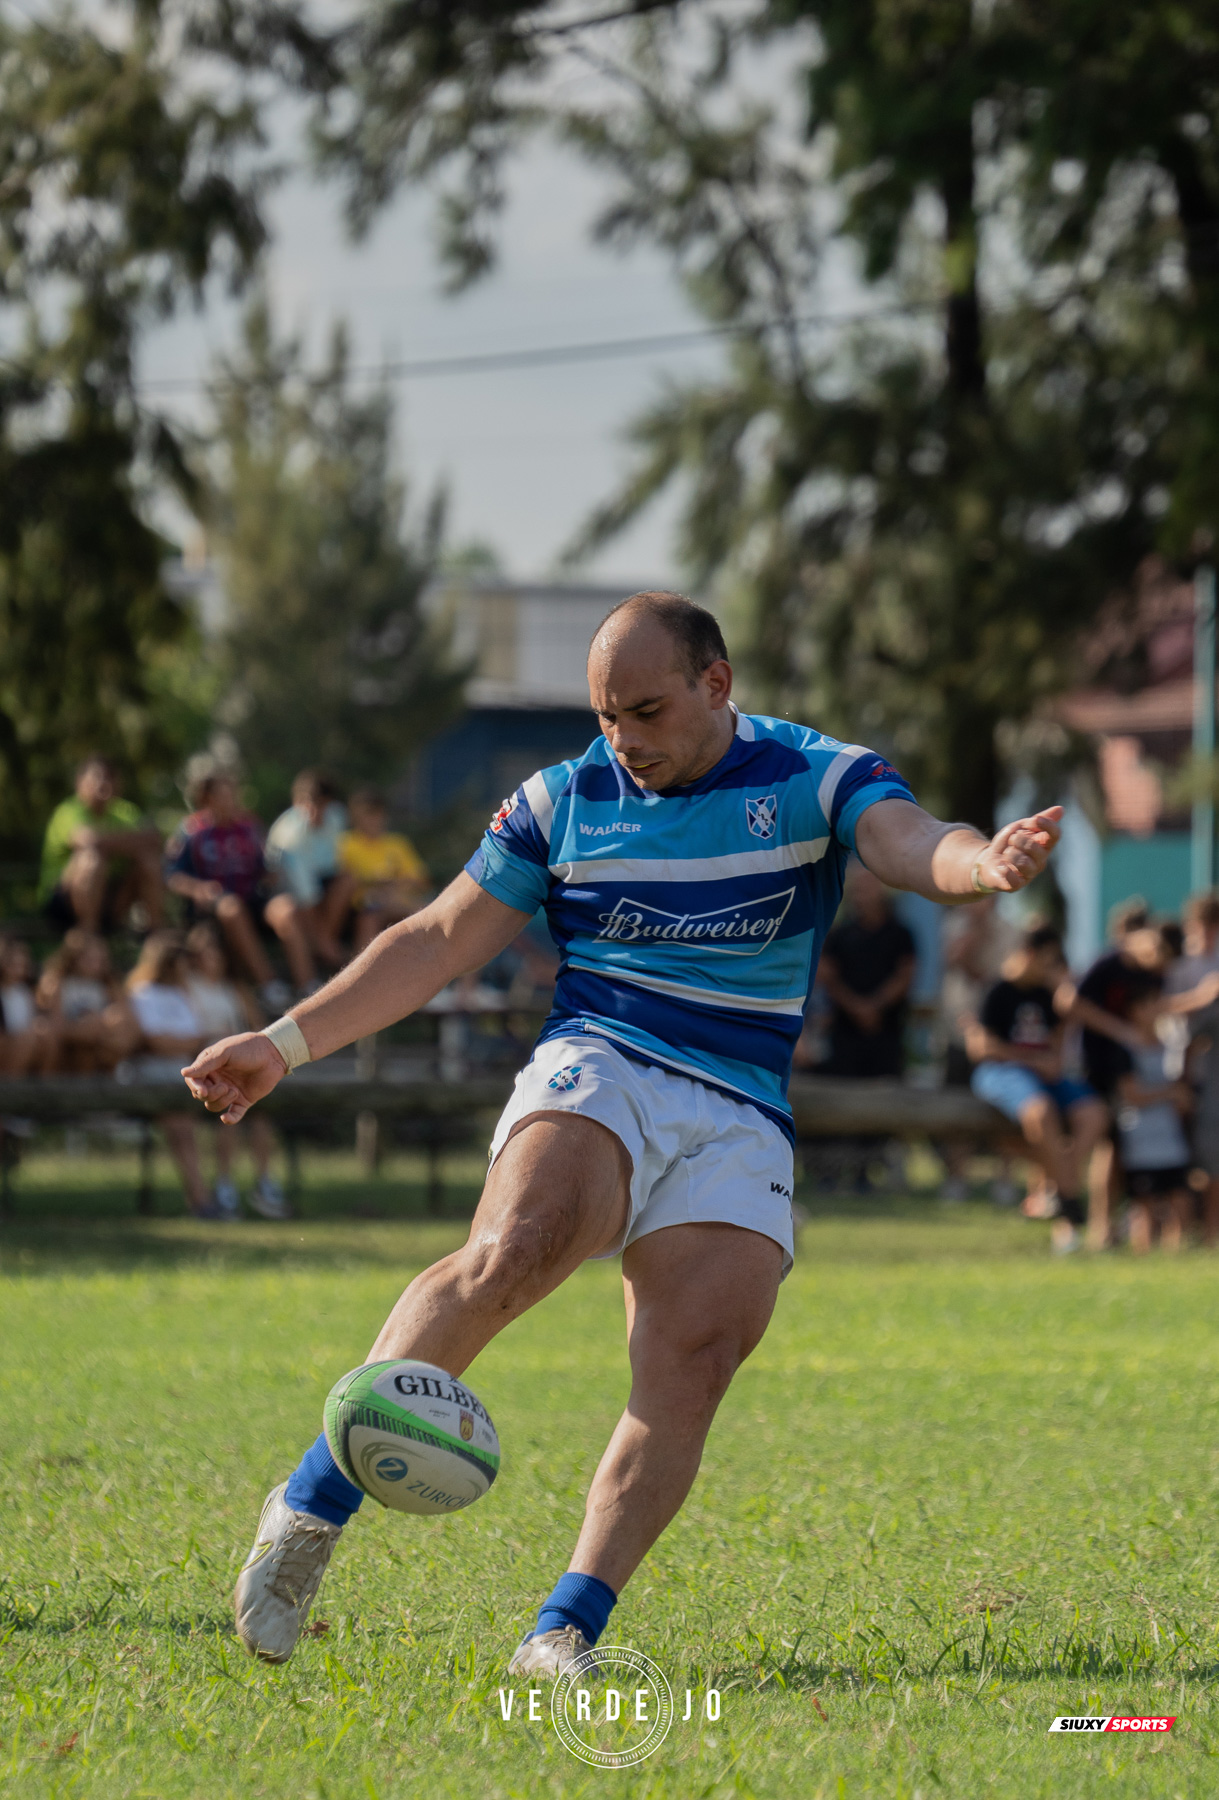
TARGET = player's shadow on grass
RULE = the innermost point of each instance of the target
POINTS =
(32, 1247)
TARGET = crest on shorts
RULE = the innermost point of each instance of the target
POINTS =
(762, 816)
(564, 1080)
(467, 1426)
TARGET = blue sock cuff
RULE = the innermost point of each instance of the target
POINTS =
(579, 1600)
(317, 1485)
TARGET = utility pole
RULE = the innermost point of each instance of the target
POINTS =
(1202, 843)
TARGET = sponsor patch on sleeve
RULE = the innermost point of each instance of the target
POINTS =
(507, 807)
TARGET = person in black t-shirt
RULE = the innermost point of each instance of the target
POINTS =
(1018, 1044)
(866, 969)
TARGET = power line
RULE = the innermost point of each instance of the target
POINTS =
(599, 350)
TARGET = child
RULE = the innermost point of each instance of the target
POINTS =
(1017, 1045)
(81, 997)
(169, 1037)
(223, 1009)
(1155, 1150)
(389, 880)
(29, 1044)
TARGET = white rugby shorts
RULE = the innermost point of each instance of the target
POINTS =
(697, 1155)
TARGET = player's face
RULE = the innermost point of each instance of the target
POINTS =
(663, 728)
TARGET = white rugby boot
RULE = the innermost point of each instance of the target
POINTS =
(550, 1653)
(280, 1577)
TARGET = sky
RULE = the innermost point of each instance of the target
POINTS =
(526, 453)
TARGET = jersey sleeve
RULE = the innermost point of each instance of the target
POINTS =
(855, 780)
(510, 862)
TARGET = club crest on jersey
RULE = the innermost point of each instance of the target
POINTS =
(564, 1080)
(501, 818)
(762, 816)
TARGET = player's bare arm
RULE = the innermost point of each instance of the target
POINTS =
(401, 970)
(906, 847)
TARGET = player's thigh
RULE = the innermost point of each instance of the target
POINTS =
(559, 1189)
(698, 1296)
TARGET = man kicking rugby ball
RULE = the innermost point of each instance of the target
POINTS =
(690, 864)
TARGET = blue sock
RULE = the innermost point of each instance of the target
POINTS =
(318, 1485)
(579, 1600)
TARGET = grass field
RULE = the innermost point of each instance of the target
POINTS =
(959, 1489)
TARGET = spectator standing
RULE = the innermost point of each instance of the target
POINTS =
(99, 856)
(303, 853)
(1155, 1149)
(82, 998)
(389, 879)
(1018, 1048)
(29, 1044)
(222, 1010)
(866, 970)
(217, 865)
(170, 1035)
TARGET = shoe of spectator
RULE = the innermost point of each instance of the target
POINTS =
(1063, 1238)
(226, 1197)
(954, 1188)
(276, 996)
(212, 1212)
(1004, 1192)
(269, 1200)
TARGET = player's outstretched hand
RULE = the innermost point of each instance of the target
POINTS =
(1018, 854)
(230, 1076)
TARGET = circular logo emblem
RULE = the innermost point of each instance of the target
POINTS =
(392, 1468)
(612, 1707)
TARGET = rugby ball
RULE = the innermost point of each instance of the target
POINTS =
(412, 1436)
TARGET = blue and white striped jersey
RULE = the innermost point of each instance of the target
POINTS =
(689, 922)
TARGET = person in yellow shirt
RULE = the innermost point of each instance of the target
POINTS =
(389, 879)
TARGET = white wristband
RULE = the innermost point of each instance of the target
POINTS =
(979, 887)
(289, 1040)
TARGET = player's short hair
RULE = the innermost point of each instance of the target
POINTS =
(694, 630)
(372, 797)
(1040, 937)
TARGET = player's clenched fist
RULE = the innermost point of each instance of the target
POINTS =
(230, 1076)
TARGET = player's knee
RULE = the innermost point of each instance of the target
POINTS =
(230, 908)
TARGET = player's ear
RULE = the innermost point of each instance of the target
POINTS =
(718, 677)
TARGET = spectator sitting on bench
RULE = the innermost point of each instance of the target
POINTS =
(170, 1035)
(217, 865)
(387, 878)
(223, 1009)
(1017, 1045)
(303, 853)
(79, 993)
(29, 1043)
(99, 856)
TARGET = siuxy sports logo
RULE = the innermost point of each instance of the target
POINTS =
(1111, 1722)
(762, 816)
(741, 930)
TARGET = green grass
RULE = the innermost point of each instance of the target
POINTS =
(960, 1488)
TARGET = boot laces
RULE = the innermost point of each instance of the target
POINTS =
(300, 1564)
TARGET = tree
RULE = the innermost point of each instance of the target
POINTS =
(328, 658)
(917, 523)
(117, 196)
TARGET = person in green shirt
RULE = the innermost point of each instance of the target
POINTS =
(99, 855)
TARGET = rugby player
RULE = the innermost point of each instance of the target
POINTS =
(690, 864)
